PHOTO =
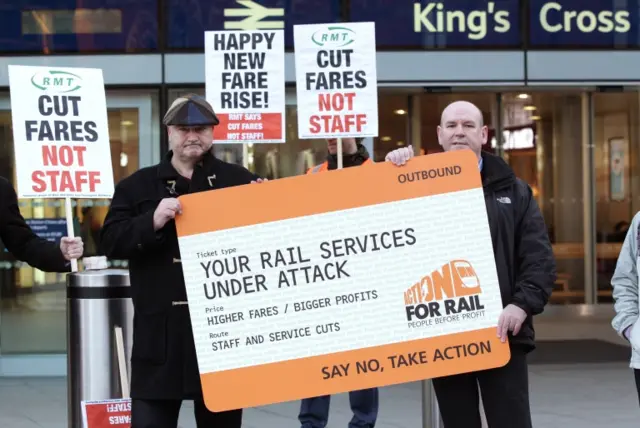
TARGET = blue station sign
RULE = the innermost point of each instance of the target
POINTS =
(584, 24)
(51, 26)
(571, 24)
(442, 24)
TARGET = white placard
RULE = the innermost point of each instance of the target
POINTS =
(336, 80)
(61, 132)
(245, 85)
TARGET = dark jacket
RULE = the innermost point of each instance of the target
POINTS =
(163, 360)
(355, 159)
(20, 240)
(523, 254)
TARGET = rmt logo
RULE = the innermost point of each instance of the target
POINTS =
(56, 81)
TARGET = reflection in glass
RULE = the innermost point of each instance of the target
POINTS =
(73, 21)
(393, 120)
(119, 26)
(34, 302)
(123, 133)
(553, 169)
(294, 157)
(616, 133)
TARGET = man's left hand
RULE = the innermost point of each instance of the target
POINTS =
(72, 248)
(511, 319)
(259, 180)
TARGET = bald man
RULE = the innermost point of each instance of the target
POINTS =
(526, 273)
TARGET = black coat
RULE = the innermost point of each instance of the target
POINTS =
(524, 258)
(20, 240)
(163, 360)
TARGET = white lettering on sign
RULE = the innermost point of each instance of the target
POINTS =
(120, 420)
(554, 19)
(434, 19)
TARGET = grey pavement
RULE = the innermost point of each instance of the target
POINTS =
(579, 376)
(576, 395)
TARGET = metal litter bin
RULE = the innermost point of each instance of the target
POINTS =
(98, 301)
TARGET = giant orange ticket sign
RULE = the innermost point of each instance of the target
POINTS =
(342, 280)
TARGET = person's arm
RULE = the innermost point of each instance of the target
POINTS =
(625, 282)
(244, 175)
(535, 262)
(21, 241)
(126, 234)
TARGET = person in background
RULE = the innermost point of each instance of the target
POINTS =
(90, 229)
(314, 412)
(353, 154)
(140, 228)
(526, 273)
(28, 247)
(625, 296)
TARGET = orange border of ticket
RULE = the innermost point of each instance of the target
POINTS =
(316, 194)
(324, 192)
(302, 378)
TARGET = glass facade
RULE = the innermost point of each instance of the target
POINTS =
(575, 144)
(33, 311)
(554, 168)
(616, 132)
(544, 134)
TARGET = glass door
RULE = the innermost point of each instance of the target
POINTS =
(135, 144)
(543, 143)
(33, 303)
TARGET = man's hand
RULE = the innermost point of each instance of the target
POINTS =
(72, 248)
(259, 180)
(166, 210)
(511, 319)
(400, 156)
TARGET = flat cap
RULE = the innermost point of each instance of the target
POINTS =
(190, 110)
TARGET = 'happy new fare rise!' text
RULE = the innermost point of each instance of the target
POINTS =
(294, 267)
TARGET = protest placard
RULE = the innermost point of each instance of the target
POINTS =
(245, 85)
(336, 80)
(61, 133)
(107, 413)
(340, 291)
(114, 412)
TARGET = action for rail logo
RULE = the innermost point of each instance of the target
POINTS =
(446, 295)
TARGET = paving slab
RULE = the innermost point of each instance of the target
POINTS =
(570, 396)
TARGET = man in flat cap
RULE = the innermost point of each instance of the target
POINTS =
(140, 227)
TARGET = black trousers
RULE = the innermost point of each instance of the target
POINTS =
(636, 373)
(505, 396)
(164, 414)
